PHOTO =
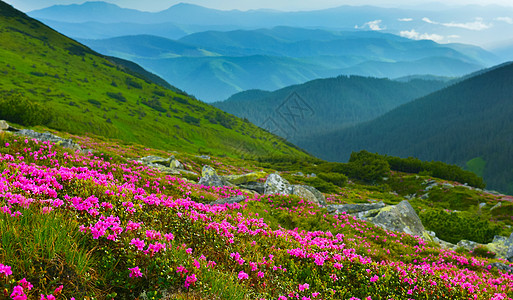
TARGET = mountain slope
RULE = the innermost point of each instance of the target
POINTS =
(466, 121)
(325, 104)
(55, 81)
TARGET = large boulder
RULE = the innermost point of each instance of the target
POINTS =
(230, 200)
(305, 193)
(354, 208)
(509, 245)
(318, 195)
(46, 136)
(244, 178)
(209, 177)
(276, 184)
(501, 267)
(399, 218)
(502, 247)
(258, 187)
(170, 165)
(4, 126)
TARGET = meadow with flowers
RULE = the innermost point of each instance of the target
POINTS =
(96, 224)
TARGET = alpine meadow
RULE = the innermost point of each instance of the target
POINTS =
(244, 151)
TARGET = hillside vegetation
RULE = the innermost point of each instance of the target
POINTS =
(324, 105)
(51, 80)
(97, 224)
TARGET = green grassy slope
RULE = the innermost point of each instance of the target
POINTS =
(86, 92)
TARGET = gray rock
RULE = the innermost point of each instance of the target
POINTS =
(306, 194)
(425, 196)
(258, 187)
(501, 267)
(509, 244)
(244, 178)
(275, 184)
(321, 199)
(400, 218)
(354, 208)
(204, 157)
(175, 163)
(46, 136)
(496, 206)
(235, 199)
(4, 125)
(209, 177)
(468, 245)
(481, 205)
(152, 159)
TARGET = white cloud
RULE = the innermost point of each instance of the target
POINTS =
(414, 35)
(374, 25)
(505, 19)
(405, 20)
(427, 20)
(477, 25)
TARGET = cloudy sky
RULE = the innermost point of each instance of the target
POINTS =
(288, 5)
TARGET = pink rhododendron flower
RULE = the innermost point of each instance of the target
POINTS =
(18, 293)
(243, 275)
(135, 272)
(25, 284)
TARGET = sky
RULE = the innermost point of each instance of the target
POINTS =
(286, 5)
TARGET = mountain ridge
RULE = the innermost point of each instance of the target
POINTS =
(462, 122)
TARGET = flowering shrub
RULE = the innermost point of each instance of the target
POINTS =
(77, 225)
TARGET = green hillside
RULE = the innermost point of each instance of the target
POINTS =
(49, 79)
(325, 104)
(468, 124)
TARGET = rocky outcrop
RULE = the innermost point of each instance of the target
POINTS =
(501, 267)
(209, 177)
(354, 208)
(258, 187)
(231, 200)
(400, 218)
(318, 195)
(509, 245)
(4, 126)
(170, 165)
(46, 136)
(244, 178)
(275, 184)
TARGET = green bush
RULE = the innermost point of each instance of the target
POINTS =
(116, 96)
(366, 166)
(18, 109)
(454, 227)
(337, 179)
(483, 251)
